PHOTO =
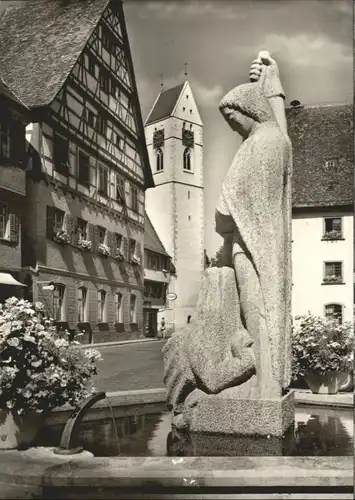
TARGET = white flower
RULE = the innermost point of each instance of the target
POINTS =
(10, 404)
(27, 394)
(14, 342)
(37, 363)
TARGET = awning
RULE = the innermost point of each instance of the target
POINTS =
(7, 279)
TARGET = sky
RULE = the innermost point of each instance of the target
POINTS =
(311, 40)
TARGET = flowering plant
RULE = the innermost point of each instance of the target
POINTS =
(135, 260)
(40, 369)
(332, 235)
(61, 236)
(84, 244)
(119, 254)
(321, 345)
(103, 249)
(332, 279)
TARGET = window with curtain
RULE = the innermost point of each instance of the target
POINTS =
(101, 306)
(82, 295)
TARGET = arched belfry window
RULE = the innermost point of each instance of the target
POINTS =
(160, 160)
(187, 159)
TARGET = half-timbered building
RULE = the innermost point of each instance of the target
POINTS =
(70, 63)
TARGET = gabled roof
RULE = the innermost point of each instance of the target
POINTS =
(151, 239)
(165, 104)
(40, 42)
(319, 134)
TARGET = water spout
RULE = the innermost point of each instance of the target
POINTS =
(72, 426)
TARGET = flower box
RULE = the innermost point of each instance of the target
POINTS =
(103, 249)
(61, 236)
(119, 254)
(332, 235)
(84, 245)
(135, 261)
(332, 279)
(41, 368)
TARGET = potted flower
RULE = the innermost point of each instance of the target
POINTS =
(40, 369)
(332, 235)
(322, 351)
(332, 278)
(103, 249)
(61, 236)
(84, 244)
(119, 254)
(135, 260)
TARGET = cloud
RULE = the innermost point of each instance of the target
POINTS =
(191, 9)
(306, 50)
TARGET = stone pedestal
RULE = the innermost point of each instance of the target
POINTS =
(246, 417)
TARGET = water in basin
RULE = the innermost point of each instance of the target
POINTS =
(318, 431)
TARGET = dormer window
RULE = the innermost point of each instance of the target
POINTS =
(160, 160)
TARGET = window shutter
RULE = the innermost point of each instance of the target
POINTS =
(110, 239)
(96, 238)
(114, 244)
(74, 235)
(68, 225)
(14, 228)
(71, 305)
(125, 247)
(50, 222)
(138, 250)
(90, 234)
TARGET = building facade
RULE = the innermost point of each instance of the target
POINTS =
(157, 276)
(323, 224)
(83, 230)
(174, 135)
(13, 119)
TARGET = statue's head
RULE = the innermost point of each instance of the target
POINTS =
(244, 106)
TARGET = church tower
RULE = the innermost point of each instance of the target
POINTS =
(174, 136)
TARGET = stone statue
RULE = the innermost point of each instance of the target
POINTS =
(239, 345)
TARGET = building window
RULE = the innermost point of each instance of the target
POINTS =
(90, 118)
(101, 306)
(104, 81)
(61, 154)
(188, 195)
(160, 160)
(101, 124)
(134, 198)
(58, 302)
(333, 272)
(332, 228)
(132, 248)
(119, 188)
(107, 39)
(82, 295)
(334, 311)
(132, 308)
(4, 141)
(101, 231)
(187, 159)
(58, 220)
(91, 65)
(118, 308)
(118, 238)
(4, 222)
(103, 180)
(84, 168)
(82, 228)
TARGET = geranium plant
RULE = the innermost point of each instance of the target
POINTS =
(332, 235)
(61, 236)
(333, 278)
(103, 249)
(40, 369)
(135, 260)
(119, 254)
(84, 244)
(321, 345)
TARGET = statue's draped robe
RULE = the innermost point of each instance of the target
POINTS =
(255, 204)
